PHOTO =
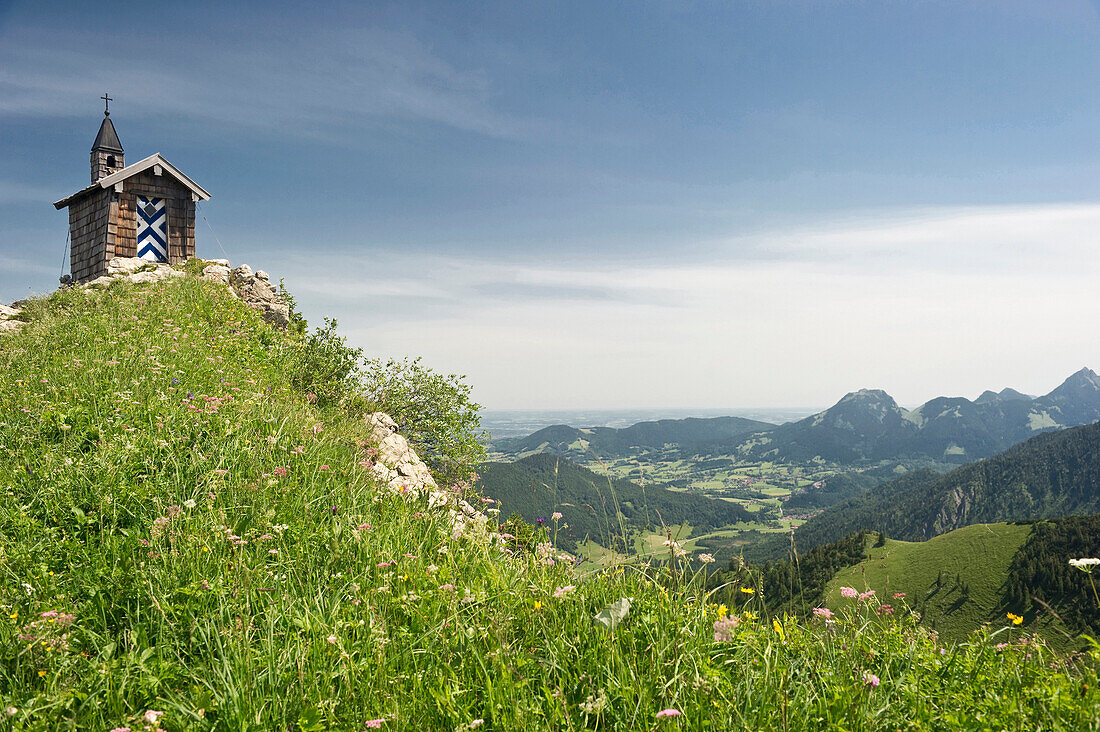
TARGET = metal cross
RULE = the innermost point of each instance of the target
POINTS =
(106, 104)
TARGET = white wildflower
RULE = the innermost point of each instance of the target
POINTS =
(1085, 564)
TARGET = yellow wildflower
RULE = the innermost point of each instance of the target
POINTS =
(748, 590)
(1016, 619)
(778, 628)
(722, 611)
(538, 605)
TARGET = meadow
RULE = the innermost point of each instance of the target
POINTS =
(190, 538)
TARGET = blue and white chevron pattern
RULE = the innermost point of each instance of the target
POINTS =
(152, 229)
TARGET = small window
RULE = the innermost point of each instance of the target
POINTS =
(110, 161)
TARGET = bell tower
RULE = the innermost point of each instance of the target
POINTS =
(107, 154)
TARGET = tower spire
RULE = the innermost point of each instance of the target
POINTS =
(107, 152)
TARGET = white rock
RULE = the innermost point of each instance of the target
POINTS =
(261, 275)
(219, 262)
(243, 272)
(143, 278)
(100, 281)
(125, 265)
(8, 312)
(10, 326)
(216, 273)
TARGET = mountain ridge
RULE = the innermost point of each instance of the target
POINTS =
(863, 426)
(868, 425)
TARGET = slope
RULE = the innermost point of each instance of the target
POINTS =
(539, 485)
(955, 581)
(1054, 474)
(191, 540)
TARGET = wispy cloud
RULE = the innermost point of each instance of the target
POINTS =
(316, 82)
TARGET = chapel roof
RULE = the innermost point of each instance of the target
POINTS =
(131, 170)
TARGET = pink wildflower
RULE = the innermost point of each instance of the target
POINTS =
(723, 629)
(374, 723)
(848, 592)
(669, 713)
(866, 595)
(885, 610)
(563, 591)
(897, 595)
(365, 527)
(280, 471)
(870, 679)
(556, 516)
(151, 717)
(823, 612)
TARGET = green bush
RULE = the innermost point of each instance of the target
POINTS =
(327, 368)
(434, 411)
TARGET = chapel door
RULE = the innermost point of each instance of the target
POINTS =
(152, 229)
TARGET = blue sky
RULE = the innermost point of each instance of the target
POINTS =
(590, 204)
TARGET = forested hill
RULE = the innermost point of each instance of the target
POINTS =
(689, 434)
(1054, 474)
(539, 485)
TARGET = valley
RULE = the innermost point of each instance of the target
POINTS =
(813, 476)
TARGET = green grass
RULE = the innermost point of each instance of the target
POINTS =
(955, 581)
(183, 531)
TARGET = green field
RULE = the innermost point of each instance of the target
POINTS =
(954, 581)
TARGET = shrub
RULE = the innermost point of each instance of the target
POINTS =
(327, 368)
(434, 411)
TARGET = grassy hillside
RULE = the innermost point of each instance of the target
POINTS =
(593, 507)
(955, 581)
(190, 539)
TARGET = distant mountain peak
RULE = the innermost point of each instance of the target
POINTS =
(1005, 395)
(1078, 384)
(1085, 376)
(867, 395)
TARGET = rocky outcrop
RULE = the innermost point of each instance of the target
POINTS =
(397, 467)
(254, 288)
(8, 319)
(257, 292)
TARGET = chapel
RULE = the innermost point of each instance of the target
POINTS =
(145, 209)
